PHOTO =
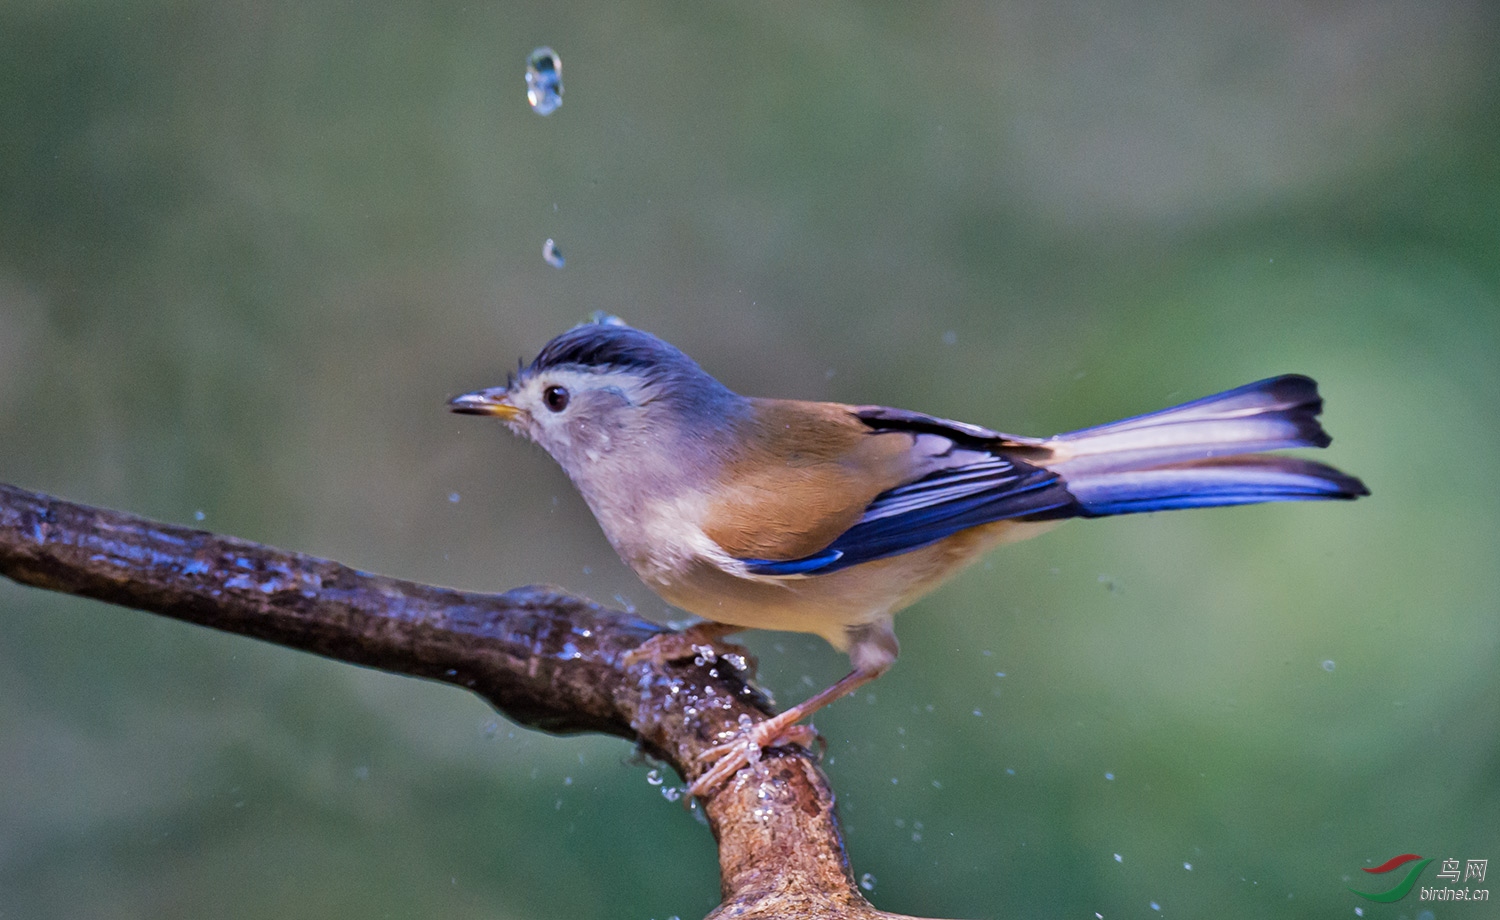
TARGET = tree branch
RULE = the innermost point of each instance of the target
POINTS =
(542, 657)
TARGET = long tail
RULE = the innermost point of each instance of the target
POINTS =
(1203, 453)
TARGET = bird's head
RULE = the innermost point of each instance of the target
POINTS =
(604, 390)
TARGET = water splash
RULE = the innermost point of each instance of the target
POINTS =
(544, 86)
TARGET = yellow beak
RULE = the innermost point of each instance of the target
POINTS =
(493, 401)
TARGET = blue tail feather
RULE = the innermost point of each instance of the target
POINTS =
(1241, 480)
(1204, 453)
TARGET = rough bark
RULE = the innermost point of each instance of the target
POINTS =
(544, 658)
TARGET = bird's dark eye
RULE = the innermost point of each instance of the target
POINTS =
(555, 397)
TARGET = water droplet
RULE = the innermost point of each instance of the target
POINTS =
(453, 497)
(1155, 906)
(671, 793)
(950, 337)
(653, 777)
(1119, 858)
(978, 713)
(867, 882)
(552, 254)
(1328, 665)
(1188, 866)
(198, 515)
(544, 86)
(361, 772)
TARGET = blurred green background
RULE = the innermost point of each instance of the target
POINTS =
(248, 249)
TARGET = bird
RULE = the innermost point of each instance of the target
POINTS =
(826, 518)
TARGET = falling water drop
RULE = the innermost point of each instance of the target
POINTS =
(544, 86)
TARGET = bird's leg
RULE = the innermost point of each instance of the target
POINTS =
(872, 649)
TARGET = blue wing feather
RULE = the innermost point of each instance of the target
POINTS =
(930, 509)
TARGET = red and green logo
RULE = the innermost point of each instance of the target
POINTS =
(1403, 887)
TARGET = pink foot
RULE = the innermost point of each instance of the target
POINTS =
(694, 642)
(732, 756)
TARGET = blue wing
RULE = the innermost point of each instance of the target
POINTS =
(1201, 454)
(981, 489)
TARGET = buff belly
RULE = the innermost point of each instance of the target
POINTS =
(829, 605)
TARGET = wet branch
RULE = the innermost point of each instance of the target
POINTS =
(544, 658)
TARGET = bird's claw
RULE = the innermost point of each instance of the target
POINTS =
(732, 756)
(695, 642)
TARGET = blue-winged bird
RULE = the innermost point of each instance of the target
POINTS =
(826, 518)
